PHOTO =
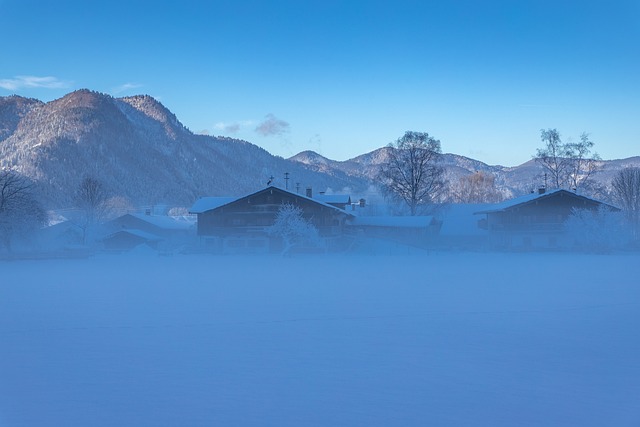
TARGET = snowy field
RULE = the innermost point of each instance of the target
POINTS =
(433, 340)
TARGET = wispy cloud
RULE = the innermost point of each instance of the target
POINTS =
(22, 82)
(272, 126)
(228, 127)
(233, 127)
(125, 87)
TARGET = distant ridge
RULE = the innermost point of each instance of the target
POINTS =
(511, 181)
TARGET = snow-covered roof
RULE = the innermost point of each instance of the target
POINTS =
(392, 221)
(507, 204)
(333, 198)
(165, 222)
(499, 207)
(137, 233)
(209, 203)
(320, 202)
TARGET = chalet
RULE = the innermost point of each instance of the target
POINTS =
(241, 224)
(535, 220)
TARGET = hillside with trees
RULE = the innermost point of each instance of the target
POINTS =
(138, 149)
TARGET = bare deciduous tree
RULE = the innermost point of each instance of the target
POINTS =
(626, 191)
(91, 199)
(478, 187)
(582, 163)
(553, 157)
(567, 165)
(20, 211)
(412, 172)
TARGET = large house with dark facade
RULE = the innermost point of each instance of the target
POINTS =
(535, 220)
(241, 224)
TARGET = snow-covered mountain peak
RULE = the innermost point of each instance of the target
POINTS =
(309, 157)
(153, 109)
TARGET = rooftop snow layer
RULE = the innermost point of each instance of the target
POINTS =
(209, 203)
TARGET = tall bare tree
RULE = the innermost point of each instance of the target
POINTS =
(20, 211)
(412, 172)
(553, 157)
(91, 199)
(626, 191)
(566, 165)
(582, 163)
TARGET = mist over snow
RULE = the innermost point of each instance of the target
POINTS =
(411, 339)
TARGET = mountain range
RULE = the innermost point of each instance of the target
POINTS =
(139, 150)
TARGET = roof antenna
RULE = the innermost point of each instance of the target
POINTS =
(286, 180)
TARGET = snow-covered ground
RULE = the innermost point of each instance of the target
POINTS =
(468, 339)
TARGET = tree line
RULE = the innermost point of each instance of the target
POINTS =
(412, 174)
(21, 212)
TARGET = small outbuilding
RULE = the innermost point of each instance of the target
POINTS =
(125, 240)
(130, 230)
(412, 230)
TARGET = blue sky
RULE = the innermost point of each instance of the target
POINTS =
(346, 77)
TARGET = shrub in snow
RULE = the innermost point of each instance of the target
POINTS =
(178, 211)
(598, 230)
(294, 229)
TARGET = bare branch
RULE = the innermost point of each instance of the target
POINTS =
(412, 173)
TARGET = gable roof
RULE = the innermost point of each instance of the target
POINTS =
(534, 197)
(202, 205)
(165, 222)
(343, 199)
(159, 221)
(209, 203)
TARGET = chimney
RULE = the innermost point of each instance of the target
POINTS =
(309, 192)
(362, 203)
(541, 190)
